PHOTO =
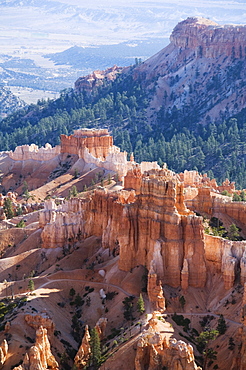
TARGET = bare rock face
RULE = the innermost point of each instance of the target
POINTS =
(39, 356)
(226, 255)
(151, 226)
(97, 142)
(101, 327)
(96, 148)
(84, 352)
(26, 152)
(208, 38)
(96, 79)
(211, 203)
(184, 74)
(3, 352)
(155, 291)
(155, 352)
(35, 321)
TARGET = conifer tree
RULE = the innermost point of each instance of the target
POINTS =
(221, 327)
(8, 208)
(95, 359)
(31, 285)
(140, 304)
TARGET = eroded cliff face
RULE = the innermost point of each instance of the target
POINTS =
(184, 79)
(213, 204)
(208, 39)
(153, 227)
(228, 257)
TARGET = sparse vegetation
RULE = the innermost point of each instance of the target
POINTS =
(21, 224)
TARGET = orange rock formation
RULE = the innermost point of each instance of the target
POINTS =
(98, 142)
(155, 352)
(155, 226)
(84, 352)
(39, 356)
(35, 321)
(155, 291)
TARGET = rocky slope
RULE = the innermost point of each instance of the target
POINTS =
(202, 67)
(85, 260)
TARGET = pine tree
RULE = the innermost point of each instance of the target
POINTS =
(8, 208)
(72, 293)
(31, 285)
(140, 304)
(95, 359)
(221, 327)
(204, 339)
(233, 232)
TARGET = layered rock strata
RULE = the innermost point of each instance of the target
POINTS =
(227, 256)
(208, 39)
(212, 203)
(96, 79)
(154, 226)
(27, 152)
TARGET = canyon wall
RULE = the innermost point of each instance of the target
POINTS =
(228, 257)
(152, 227)
(212, 203)
(208, 39)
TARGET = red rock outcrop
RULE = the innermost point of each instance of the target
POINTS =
(208, 39)
(35, 321)
(155, 292)
(155, 352)
(184, 74)
(39, 356)
(133, 179)
(98, 143)
(154, 226)
(96, 79)
(84, 352)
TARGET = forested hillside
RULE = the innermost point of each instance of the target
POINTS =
(185, 106)
(219, 150)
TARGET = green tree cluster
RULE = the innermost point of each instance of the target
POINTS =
(217, 148)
